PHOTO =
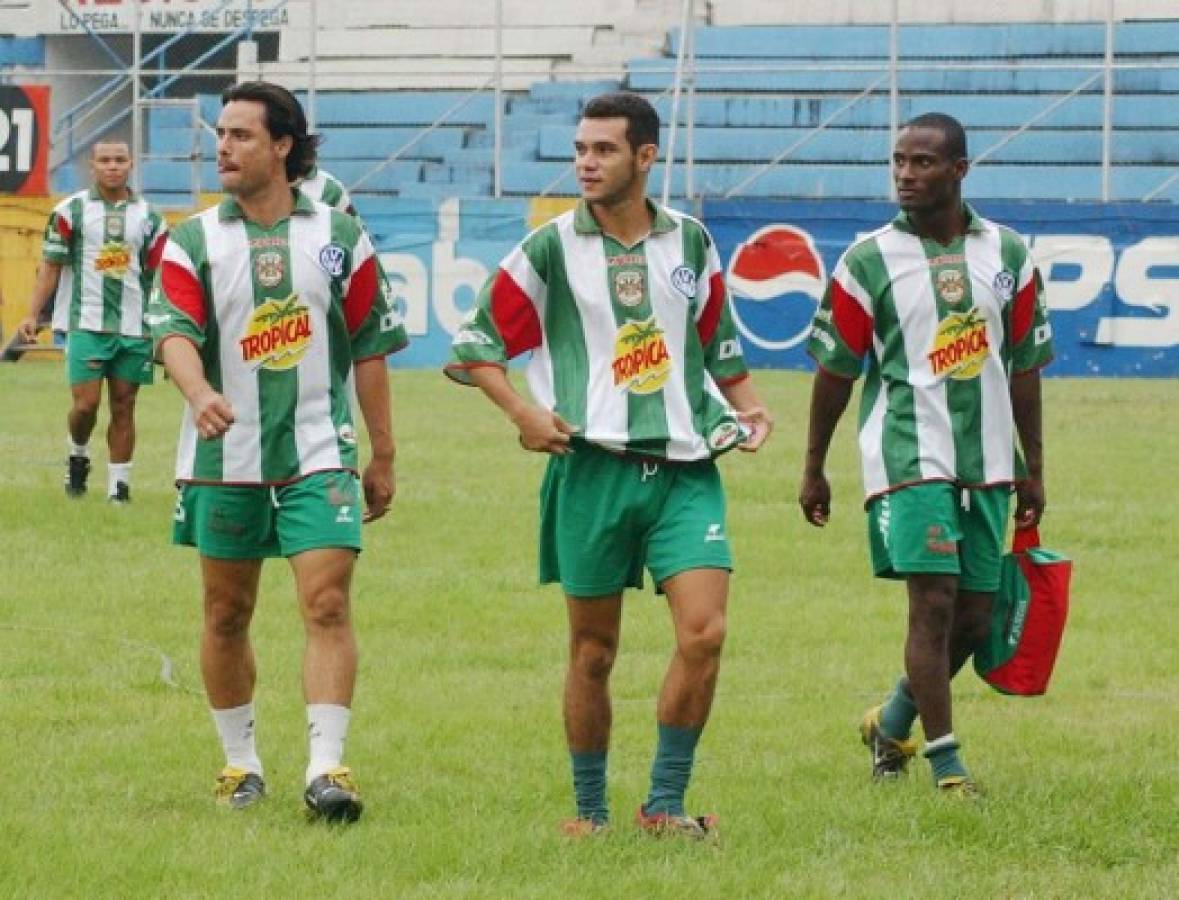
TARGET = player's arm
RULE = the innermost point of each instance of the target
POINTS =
(541, 430)
(211, 412)
(372, 393)
(829, 398)
(1026, 410)
(44, 287)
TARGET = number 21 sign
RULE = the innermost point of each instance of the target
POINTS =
(24, 140)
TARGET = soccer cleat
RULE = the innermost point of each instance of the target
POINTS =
(122, 493)
(960, 787)
(77, 471)
(334, 797)
(660, 824)
(583, 828)
(889, 756)
(237, 788)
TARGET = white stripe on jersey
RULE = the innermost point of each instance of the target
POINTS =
(912, 291)
(539, 372)
(93, 221)
(984, 260)
(315, 434)
(585, 268)
(228, 253)
(135, 227)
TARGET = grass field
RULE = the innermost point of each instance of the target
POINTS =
(456, 737)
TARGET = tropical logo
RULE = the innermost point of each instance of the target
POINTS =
(277, 335)
(641, 362)
(960, 347)
(113, 259)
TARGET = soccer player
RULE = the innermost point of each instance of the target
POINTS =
(101, 249)
(269, 306)
(947, 307)
(638, 384)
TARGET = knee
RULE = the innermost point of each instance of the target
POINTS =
(326, 608)
(123, 409)
(227, 616)
(973, 627)
(931, 608)
(87, 407)
(592, 656)
(703, 639)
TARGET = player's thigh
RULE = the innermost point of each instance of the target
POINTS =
(230, 522)
(319, 511)
(323, 579)
(690, 531)
(915, 531)
(132, 362)
(591, 509)
(984, 531)
(230, 586)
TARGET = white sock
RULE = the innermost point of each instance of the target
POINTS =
(116, 472)
(327, 728)
(236, 728)
(78, 449)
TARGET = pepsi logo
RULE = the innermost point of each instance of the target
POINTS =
(776, 279)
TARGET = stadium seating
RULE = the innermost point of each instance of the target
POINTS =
(760, 90)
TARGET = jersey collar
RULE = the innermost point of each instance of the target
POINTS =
(229, 209)
(95, 195)
(584, 222)
(974, 222)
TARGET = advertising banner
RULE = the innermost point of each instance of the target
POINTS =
(24, 140)
(118, 16)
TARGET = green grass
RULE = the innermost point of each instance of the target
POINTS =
(457, 739)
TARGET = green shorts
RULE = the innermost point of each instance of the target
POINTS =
(91, 355)
(604, 516)
(937, 528)
(228, 521)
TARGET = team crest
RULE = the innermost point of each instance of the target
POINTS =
(269, 269)
(628, 287)
(641, 364)
(332, 257)
(1004, 285)
(951, 286)
(683, 279)
(277, 335)
(114, 227)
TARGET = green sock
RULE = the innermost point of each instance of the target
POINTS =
(672, 769)
(899, 712)
(943, 757)
(589, 784)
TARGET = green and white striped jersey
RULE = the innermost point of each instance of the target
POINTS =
(943, 329)
(628, 343)
(109, 253)
(327, 188)
(279, 316)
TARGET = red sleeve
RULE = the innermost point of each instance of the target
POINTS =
(156, 253)
(1023, 312)
(710, 317)
(362, 293)
(64, 229)
(184, 292)
(514, 316)
(853, 324)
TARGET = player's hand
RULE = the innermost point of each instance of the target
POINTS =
(1030, 500)
(760, 424)
(814, 496)
(543, 431)
(27, 329)
(212, 414)
(379, 487)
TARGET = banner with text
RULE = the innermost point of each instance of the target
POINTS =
(118, 16)
(1111, 273)
(24, 140)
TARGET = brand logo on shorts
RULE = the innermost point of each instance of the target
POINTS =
(1004, 285)
(113, 259)
(277, 335)
(935, 543)
(641, 364)
(628, 287)
(332, 257)
(714, 533)
(683, 279)
(269, 269)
